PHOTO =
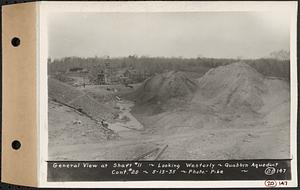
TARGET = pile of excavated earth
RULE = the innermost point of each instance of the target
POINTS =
(234, 87)
(162, 87)
(230, 95)
(80, 100)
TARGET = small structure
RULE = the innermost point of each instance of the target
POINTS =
(127, 74)
(135, 76)
(76, 69)
(101, 78)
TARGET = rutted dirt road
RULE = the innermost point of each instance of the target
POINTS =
(128, 125)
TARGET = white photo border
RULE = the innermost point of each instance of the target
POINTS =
(47, 8)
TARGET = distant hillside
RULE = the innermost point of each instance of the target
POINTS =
(273, 67)
(280, 55)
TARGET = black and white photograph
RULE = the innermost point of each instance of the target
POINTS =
(149, 94)
(169, 86)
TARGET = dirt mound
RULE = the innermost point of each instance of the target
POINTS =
(234, 86)
(277, 103)
(165, 86)
(68, 95)
(230, 96)
(62, 92)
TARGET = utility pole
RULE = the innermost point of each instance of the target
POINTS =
(108, 71)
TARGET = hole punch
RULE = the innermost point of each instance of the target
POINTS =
(15, 41)
(16, 145)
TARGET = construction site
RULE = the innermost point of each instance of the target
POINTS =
(229, 111)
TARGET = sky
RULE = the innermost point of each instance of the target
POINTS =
(181, 34)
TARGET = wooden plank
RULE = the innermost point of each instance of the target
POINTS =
(161, 152)
(145, 154)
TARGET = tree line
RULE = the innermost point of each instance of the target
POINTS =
(268, 66)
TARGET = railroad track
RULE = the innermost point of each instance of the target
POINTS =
(153, 154)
